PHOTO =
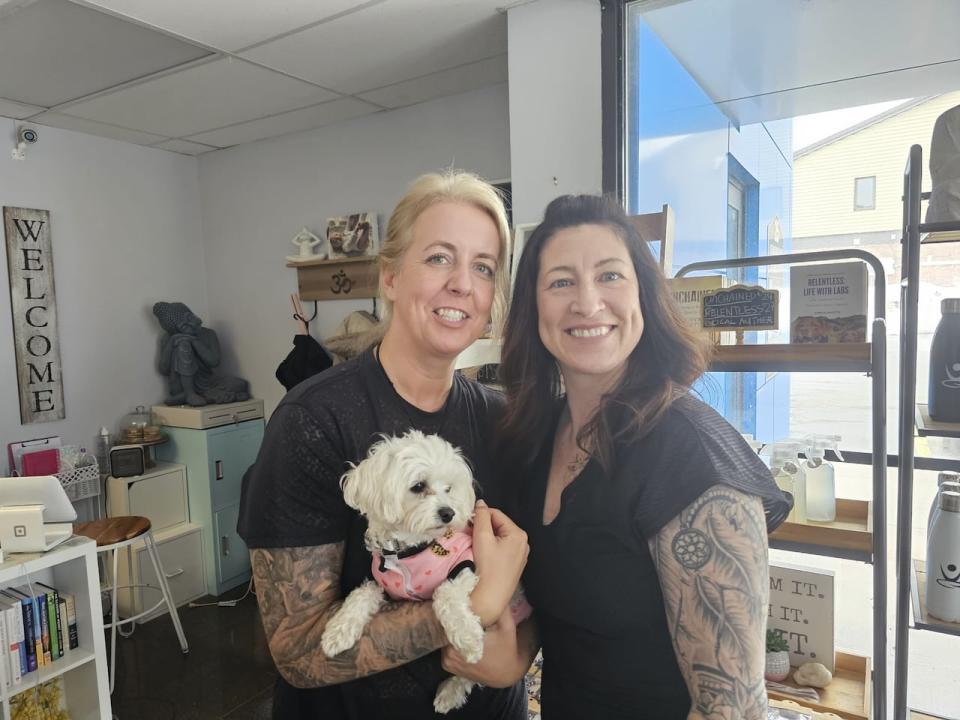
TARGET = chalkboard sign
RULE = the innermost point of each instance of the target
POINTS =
(741, 307)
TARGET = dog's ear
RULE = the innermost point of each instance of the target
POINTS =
(366, 487)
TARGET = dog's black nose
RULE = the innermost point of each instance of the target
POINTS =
(446, 514)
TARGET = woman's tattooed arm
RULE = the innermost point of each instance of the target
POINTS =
(298, 590)
(712, 563)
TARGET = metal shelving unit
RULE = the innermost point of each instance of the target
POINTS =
(915, 234)
(870, 358)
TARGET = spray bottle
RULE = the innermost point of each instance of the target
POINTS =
(789, 478)
(821, 478)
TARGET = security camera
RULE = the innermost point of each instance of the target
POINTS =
(27, 135)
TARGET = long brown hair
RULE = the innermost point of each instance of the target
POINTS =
(669, 357)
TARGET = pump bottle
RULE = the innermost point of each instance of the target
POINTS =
(821, 478)
(787, 475)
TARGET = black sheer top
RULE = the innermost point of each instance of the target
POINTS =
(607, 649)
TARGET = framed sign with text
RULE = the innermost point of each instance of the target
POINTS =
(801, 610)
(33, 304)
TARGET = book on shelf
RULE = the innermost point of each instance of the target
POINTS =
(828, 303)
(29, 636)
(65, 645)
(6, 672)
(53, 603)
(74, 639)
(13, 617)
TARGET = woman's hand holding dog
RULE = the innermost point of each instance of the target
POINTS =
(504, 661)
(500, 550)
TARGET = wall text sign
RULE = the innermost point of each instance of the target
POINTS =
(34, 309)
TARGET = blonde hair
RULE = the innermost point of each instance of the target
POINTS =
(430, 189)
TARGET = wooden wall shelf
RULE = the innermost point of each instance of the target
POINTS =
(845, 357)
(338, 279)
(847, 696)
(918, 592)
(849, 536)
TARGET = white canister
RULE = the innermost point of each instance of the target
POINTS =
(947, 480)
(943, 560)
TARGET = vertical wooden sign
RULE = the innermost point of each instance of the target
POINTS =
(34, 309)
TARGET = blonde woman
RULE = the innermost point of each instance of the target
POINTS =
(442, 279)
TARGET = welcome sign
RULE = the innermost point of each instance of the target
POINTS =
(34, 309)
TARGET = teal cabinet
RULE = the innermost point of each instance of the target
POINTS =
(216, 459)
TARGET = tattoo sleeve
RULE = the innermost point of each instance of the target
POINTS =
(298, 590)
(712, 564)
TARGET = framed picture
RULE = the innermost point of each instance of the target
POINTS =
(520, 234)
(354, 235)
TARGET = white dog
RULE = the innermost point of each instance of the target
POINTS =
(416, 492)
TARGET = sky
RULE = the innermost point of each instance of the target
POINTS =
(808, 129)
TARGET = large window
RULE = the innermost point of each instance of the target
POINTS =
(746, 177)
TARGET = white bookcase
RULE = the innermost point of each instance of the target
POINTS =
(70, 568)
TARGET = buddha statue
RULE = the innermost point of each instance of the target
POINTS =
(189, 353)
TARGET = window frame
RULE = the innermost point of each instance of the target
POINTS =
(873, 194)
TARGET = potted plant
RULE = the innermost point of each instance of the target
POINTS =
(778, 657)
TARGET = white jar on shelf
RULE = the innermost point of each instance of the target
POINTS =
(943, 560)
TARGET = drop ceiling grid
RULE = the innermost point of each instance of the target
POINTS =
(54, 51)
(248, 23)
(398, 40)
(201, 98)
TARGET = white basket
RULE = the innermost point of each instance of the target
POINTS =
(81, 483)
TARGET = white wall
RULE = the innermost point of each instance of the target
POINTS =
(125, 230)
(256, 197)
(555, 114)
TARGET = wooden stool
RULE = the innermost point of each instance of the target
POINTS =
(115, 533)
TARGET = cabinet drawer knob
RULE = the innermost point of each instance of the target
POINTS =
(171, 575)
(219, 469)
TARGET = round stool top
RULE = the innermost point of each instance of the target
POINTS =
(108, 531)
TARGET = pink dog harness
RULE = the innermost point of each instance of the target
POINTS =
(414, 574)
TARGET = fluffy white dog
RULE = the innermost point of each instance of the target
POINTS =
(416, 492)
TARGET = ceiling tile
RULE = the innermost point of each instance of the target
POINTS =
(200, 98)
(184, 147)
(95, 128)
(399, 39)
(228, 24)
(62, 51)
(304, 119)
(16, 110)
(446, 82)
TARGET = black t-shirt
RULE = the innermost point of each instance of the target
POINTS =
(607, 650)
(292, 498)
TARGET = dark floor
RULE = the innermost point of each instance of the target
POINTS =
(227, 674)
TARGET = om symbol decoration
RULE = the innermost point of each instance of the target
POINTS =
(341, 283)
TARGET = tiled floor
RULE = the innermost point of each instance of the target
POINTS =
(228, 673)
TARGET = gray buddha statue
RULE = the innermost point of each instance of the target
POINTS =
(189, 353)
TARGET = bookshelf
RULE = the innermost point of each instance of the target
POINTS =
(70, 568)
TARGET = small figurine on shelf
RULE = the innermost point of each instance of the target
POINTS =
(778, 656)
(189, 353)
(306, 241)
